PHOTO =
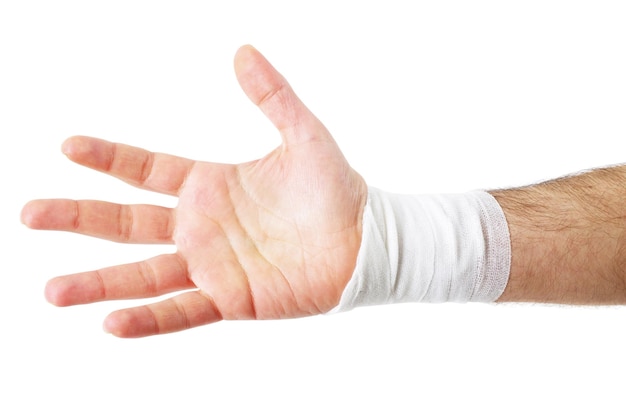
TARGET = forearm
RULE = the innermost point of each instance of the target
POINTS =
(568, 239)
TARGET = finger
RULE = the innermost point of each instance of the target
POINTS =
(137, 223)
(181, 312)
(274, 96)
(153, 171)
(153, 277)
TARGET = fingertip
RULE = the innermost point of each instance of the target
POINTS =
(27, 215)
(88, 151)
(53, 292)
(254, 72)
(109, 325)
(51, 214)
(243, 55)
(249, 65)
(66, 144)
(130, 323)
(271, 92)
(245, 49)
(36, 214)
(75, 146)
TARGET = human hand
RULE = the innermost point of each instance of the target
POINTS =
(273, 238)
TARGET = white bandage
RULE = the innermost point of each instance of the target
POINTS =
(429, 248)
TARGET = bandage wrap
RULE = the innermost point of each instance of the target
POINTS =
(430, 248)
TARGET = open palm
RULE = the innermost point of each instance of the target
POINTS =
(272, 238)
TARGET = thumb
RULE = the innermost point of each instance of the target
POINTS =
(269, 90)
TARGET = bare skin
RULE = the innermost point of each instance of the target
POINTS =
(278, 237)
(568, 239)
(272, 238)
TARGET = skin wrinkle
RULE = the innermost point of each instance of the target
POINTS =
(169, 227)
(257, 204)
(110, 160)
(219, 226)
(125, 222)
(245, 274)
(282, 275)
(270, 94)
(181, 185)
(247, 234)
(211, 302)
(103, 290)
(149, 277)
(155, 322)
(272, 212)
(183, 267)
(76, 220)
(242, 185)
(281, 92)
(268, 237)
(243, 268)
(305, 270)
(180, 308)
(146, 168)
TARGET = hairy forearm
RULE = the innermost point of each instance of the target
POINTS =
(568, 239)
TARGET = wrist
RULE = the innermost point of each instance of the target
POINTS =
(430, 248)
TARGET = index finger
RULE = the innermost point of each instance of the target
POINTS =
(153, 171)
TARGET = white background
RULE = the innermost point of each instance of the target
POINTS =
(436, 96)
